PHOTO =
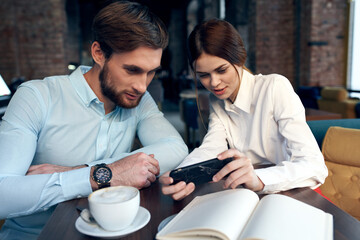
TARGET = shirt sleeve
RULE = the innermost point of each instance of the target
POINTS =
(216, 134)
(305, 166)
(159, 137)
(21, 194)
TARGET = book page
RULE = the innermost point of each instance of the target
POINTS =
(281, 217)
(223, 213)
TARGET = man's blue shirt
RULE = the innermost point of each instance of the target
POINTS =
(59, 120)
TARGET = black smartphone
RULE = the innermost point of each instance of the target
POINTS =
(200, 172)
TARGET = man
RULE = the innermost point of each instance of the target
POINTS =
(66, 136)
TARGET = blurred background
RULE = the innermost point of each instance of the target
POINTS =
(311, 42)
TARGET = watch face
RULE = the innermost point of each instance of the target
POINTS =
(103, 175)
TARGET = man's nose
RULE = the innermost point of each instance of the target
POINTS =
(140, 85)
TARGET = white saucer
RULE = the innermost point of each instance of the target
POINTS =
(141, 219)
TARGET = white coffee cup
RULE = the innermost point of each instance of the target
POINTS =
(114, 208)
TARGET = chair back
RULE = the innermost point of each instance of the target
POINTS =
(320, 127)
(341, 151)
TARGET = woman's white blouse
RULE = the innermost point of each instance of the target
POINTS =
(266, 123)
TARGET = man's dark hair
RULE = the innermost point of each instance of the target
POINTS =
(124, 26)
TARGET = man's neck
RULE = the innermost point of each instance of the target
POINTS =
(92, 78)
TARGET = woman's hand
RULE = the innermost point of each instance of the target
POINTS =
(177, 191)
(241, 171)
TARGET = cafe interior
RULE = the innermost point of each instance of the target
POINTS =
(315, 44)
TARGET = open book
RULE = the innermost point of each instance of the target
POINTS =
(238, 214)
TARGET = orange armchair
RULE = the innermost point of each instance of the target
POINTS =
(342, 157)
(336, 100)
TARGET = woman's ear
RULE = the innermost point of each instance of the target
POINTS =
(97, 54)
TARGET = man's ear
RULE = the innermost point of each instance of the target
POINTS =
(97, 54)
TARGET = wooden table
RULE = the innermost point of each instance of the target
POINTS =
(61, 225)
(315, 114)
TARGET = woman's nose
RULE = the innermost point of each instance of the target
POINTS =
(214, 80)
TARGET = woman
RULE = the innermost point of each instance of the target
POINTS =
(259, 117)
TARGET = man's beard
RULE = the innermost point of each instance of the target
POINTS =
(110, 92)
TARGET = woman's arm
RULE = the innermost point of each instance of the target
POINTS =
(305, 166)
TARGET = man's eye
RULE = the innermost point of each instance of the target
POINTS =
(131, 70)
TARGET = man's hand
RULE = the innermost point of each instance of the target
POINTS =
(49, 169)
(241, 171)
(138, 170)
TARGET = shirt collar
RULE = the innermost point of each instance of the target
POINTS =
(245, 94)
(81, 86)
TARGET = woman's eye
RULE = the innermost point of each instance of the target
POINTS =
(221, 71)
(203, 75)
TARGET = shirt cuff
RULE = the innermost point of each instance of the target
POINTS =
(273, 183)
(76, 183)
(268, 179)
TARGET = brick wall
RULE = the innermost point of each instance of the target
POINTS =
(303, 63)
(327, 43)
(307, 45)
(33, 42)
(308, 48)
(275, 38)
(7, 40)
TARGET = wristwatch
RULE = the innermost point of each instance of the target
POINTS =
(102, 175)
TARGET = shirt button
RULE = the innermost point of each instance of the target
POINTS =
(79, 196)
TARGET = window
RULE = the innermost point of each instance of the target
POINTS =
(353, 69)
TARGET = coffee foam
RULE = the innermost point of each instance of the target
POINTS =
(114, 195)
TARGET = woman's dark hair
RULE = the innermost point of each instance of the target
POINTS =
(124, 26)
(218, 38)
